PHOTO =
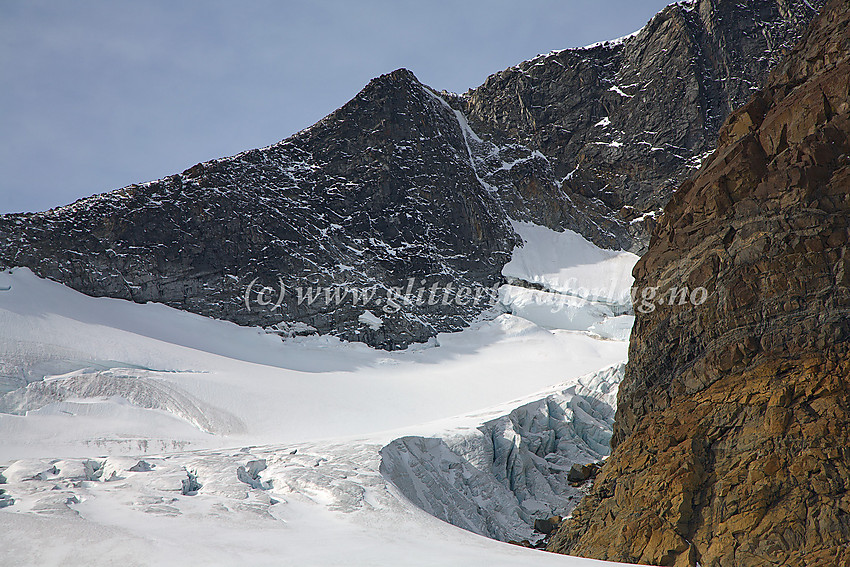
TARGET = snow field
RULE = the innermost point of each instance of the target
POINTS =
(139, 434)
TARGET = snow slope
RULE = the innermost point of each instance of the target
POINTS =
(559, 280)
(242, 385)
(566, 263)
(161, 437)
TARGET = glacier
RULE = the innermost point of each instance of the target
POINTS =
(162, 437)
(497, 478)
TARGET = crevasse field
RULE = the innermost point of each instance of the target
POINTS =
(142, 435)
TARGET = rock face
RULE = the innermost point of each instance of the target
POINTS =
(395, 193)
(385, 189)
(625, 122)
(732, 432)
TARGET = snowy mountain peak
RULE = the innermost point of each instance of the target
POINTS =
(403, 184)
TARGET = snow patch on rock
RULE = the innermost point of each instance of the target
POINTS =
(371, 320)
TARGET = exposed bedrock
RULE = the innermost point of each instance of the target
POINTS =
(731, 436)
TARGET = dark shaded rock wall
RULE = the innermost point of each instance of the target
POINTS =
(625, 123)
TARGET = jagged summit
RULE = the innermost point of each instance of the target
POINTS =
(399, 77)
(404, 182)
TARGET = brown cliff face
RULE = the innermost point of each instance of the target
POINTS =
(733, 429)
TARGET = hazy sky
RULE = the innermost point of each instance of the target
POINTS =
(98, 95)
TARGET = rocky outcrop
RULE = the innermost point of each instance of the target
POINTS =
(733, 428)
(626, 122)
(395, 193)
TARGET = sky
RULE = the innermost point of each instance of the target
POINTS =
(97, 95)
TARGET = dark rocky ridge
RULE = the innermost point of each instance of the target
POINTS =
(394, 185)
(665, 91)
(381, 190)
(732, 432)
